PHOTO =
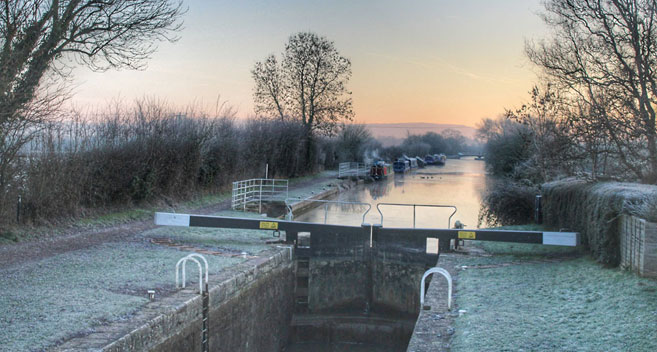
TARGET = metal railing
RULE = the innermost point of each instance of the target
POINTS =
(447, 276)
(258, 190)
(192, 257)
(353, 169)
(449, 220)
(290, 215)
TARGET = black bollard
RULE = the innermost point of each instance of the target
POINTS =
(538, 210)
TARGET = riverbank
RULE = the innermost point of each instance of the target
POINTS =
(537, 298)
(76, 280)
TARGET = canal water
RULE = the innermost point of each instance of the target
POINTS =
(459, 183)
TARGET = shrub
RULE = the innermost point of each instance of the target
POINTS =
(508, 202)
(594, 210)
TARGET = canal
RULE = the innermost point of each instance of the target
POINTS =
(459, 183)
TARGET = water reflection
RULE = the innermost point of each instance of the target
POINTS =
(459, 183)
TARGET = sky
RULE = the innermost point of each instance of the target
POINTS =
(435, 61)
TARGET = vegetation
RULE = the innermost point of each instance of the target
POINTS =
(309, 86)
(601, 57)
(522, 289)
(149, 152)
(594, 209)
(40, 38)
(592, 116)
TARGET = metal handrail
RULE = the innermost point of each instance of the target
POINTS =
(257, 190)
(447, 276)
(192, 257)
(449, 220)
(290, 215)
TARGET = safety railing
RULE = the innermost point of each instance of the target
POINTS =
(257, 191)
(290, 201)
(183, 261)
(447, 276)
(449, 220)
(353, 169)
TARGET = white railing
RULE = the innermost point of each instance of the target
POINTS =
(183, 261)
(257, 191)
(447, 276)
(353, 169)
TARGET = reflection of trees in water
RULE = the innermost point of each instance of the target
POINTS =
(379, 189)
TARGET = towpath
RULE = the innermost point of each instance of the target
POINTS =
(57, 240)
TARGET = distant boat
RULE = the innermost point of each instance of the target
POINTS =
(429, 159)
(412, 162)
(401, 166)
(380, 170)
(440, 159)
(420, 162)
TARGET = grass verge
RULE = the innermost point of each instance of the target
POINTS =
(547, 298)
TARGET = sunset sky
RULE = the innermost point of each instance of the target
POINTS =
(433, 61)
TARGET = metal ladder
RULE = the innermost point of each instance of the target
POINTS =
(301, 284)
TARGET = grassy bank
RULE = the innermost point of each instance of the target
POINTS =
(545, 298)
(49, 300)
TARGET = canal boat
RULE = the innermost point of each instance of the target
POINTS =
(420, 162)
(429, 159)
(380, 170)
(440, 159)
(412, 162)
(401, 166)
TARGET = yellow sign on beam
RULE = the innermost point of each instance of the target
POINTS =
(467, 235)
(269, 225)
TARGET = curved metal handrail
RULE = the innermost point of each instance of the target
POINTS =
(290, 215)
(192, 257)
(449, 220)
(447, 276)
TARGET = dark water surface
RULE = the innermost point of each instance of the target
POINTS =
(459, 183)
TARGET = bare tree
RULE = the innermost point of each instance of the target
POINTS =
(603, 52)
(553, 148)
(37, 37)
(309, 85)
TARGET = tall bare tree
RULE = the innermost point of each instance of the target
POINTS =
(308, 85)
(38, 40)
(603, 52)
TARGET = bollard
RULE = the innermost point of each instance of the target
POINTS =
(538, 210)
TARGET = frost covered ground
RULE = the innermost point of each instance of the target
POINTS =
(52, 298)
(545, 298)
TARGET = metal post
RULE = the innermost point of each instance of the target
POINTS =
(260, 199)
(538, 210)
(18, 209)
(325, 212)
(266, 171)
(413, 215)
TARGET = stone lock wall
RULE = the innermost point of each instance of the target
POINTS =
(251, 306)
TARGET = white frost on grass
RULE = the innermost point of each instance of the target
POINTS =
(46, 301)
(571, 305)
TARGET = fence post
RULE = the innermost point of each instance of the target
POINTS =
(19, 203)
(538, 210)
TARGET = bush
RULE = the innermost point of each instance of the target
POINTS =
(508, 202)
(131, 156)
(594, 210)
